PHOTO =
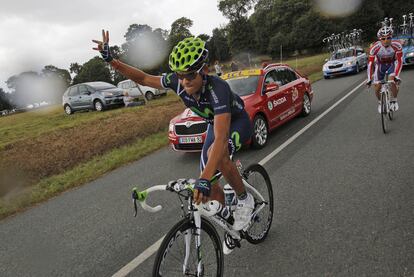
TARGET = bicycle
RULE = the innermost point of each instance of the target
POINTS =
(177, 257)
(386, 111)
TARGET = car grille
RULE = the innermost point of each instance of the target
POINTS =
(195, 128)
(189, 146)
(335, 66)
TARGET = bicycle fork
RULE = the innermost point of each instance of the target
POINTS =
(187, 240)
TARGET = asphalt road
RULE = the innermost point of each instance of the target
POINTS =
(344, 200)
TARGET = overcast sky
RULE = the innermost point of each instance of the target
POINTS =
(35, 33)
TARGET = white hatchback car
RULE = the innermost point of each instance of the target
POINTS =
(135, 89)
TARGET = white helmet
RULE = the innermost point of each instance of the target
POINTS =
(385, 31)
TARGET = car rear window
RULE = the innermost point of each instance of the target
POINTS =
(243, 85)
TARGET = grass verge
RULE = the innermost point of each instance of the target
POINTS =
(81, 174)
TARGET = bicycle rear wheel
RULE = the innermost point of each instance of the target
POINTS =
(258, 178)
(384, 113)
(171, 256)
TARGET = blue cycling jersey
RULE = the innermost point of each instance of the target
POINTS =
(216, 97)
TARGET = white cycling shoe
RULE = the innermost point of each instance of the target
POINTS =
(394, 106)
(243, 212)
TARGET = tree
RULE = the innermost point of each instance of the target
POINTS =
(235, 9)
(4, 101)
(180, 29)
(144, 48)
(62, 74)
(93, 70)
(219, 48)
(75, 68)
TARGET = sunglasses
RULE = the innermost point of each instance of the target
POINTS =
(387, 38)
(189, 76)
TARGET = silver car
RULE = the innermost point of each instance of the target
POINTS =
(91, 96)
(135, 89)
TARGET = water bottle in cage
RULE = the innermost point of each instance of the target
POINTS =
(214, 207)
(230, 197)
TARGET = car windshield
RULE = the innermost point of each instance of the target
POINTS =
(102, 86)
(243, 85)
(342, 55)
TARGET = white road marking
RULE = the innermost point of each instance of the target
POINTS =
(153, 248)
(139, 260)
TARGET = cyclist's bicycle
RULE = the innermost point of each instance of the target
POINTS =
(193, 246)
(387, 113)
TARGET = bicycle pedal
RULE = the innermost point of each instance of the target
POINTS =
(231, 242)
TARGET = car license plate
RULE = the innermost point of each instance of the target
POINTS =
(191, 139)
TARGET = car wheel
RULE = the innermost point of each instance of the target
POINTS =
(98, 105)
(357, 68)
(68, 110)
(260, 132)
(306, 105)
(326, 77)
(149, 95)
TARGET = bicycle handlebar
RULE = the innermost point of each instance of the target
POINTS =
(175, 186)
(141, 196)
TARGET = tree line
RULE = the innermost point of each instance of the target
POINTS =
(255, 27)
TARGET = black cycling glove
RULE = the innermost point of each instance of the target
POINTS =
(203, 186)
(106, 53)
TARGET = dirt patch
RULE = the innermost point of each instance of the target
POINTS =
(58, 151)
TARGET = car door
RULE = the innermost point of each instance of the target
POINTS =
(85, 97)
(73, 97)
(362, 58)
(276, 97)
(297, 88)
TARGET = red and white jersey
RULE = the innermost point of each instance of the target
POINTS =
(385, 55)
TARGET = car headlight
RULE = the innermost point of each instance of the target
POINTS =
(411, 54)
(108, 94)
(350, 63)
(171, 128)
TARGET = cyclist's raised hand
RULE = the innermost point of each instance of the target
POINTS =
(103, 46)
(202, 190)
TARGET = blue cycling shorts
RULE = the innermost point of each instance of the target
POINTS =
(241, 131)
(383, 69)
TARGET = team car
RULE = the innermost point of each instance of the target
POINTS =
(344, 61)
(407, 43)
(272, 96)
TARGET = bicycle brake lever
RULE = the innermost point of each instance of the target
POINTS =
(134, 200)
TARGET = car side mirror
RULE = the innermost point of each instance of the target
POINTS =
(271, 87)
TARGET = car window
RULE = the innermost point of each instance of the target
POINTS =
(280, 76)
(290, 75)
(83, 90)
(270, 77)
(73, 91)
(243, 85)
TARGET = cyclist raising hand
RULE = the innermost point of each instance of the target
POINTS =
(211, 98)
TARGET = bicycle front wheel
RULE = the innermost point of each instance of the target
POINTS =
(384, 112)
(178, 256)
(257, 177)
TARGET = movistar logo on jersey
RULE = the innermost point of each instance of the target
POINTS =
(168, 78)
(206, 114)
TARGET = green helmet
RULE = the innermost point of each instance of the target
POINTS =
(188, 55)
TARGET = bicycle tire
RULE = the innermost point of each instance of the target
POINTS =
(258, 232)
(163, 267)
(383, 113)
